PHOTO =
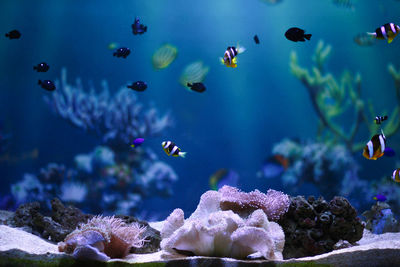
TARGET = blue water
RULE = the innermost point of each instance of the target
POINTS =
(234, 124)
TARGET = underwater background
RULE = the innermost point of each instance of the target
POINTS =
(236, 123)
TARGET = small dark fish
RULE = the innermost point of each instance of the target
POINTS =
(138, 28)
(256, 39)
(296, 35)
(137, 142)
(14, 34)
(197, 87)
(138, 86)
(364, 39)
(380, 197)
(389, 152)
(47, 85)
(380, 119)
(41, 67)
(122, 52)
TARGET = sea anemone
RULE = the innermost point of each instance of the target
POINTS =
(102, 238)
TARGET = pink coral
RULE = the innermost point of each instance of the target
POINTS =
(275, 204)
(102, 238)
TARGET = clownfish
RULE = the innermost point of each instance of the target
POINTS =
(395, 175)
(387, 31)
(230, 54)
(171, 149)
(375, 148)
(380, 119)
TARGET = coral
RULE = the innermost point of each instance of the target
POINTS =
(116, 174)
(102, 238)
(314, 226)
(332, 97)
(274, 203)
(117, 119)
(211, 231)
(380, 219)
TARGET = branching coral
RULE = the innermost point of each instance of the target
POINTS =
(102, 238)
(212, 231)
(332, 96)
(313, 226)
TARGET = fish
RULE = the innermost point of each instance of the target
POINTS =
(137, 142)
(164, 56)
(387, 31)
(364, 39)
(274, 166)
(139, 86)
(122, 52)
(47, 85)
(197, 87)
(344, 3)
(230, 54)
(380, 197)
(223, 177)
(395, 175)
(380, 119)
(389, 152)
(14, 34)
(138, 28)
(256, 39)
(194, 72)
(296, 34)
(171, 149)
(41, 67)
(375, 148)
(112, 46)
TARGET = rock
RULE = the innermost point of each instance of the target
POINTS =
(69, 217)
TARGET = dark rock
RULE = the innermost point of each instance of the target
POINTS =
(69, 217)
(314, 226)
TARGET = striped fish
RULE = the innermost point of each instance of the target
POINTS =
(230, 54)
(388, 31)
(380, 119)
(171, 149)
(395, 175)
(375, 148)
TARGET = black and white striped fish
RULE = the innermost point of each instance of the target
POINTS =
(387, 31)
(171, 149)
(230, 54)
(375, 148)
(380, 119)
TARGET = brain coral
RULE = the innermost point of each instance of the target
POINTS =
(102, 238)
(211, 231)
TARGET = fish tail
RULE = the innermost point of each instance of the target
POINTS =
(7, 35)
(222, 60)
(182, 154)
(240, 49)
(308, 36)
(39, 82)
(189, 84)
(34, 67)
(114, 54)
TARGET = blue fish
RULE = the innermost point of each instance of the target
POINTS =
(138, 28)
(137, 142)
(389, 152)
(380, 197)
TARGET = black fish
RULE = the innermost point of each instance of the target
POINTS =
(41, 67)
(138, 28)
(14, 34)
(256, 39)
(296, 35)
(122, 52)
(47, 85)
(198, 87)
(380, 119)
(138, 86)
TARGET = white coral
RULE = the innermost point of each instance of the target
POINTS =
(209, 231)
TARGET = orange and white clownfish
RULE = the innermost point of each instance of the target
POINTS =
(395, 175)
(387, 31)
(375, 148)
(230, 54)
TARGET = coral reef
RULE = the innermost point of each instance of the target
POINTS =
(116, 174)
(380, 219)
(275, 204)
(314, 226)
(211, 231)
(102, 238)
(332, 97)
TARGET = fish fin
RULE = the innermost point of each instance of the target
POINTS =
(132, 145)
(39, 82)
(222, 60)
(234, 61)
(372, 33)
(234, 65)
(308, 36)
(240, 49)
(182, 154)
(390, 39)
